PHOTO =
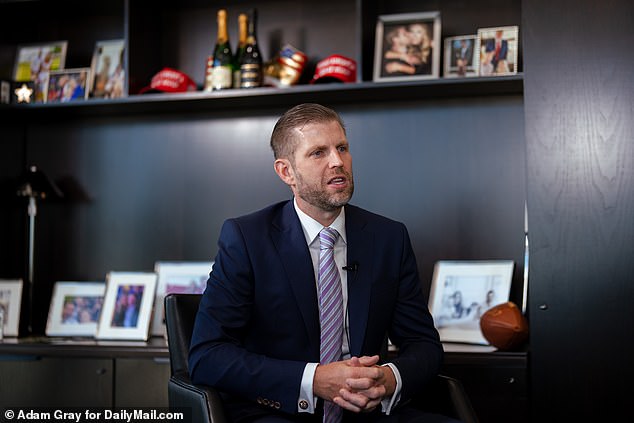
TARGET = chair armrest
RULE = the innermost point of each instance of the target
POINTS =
(445, 395)
(461, 404)
(204, 401)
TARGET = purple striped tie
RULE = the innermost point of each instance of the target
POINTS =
(330, 311)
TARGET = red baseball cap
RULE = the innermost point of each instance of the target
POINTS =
(335, 68)
(170, 81)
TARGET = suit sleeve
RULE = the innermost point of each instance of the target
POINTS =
(412, 329)
(218, 355)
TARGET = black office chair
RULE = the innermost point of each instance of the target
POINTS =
(444, 395)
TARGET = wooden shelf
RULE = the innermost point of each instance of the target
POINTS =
(259, 98)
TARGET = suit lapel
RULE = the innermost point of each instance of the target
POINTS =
(360, 246)
(290, 243)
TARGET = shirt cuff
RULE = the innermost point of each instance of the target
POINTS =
(307, 400)
(388, 403)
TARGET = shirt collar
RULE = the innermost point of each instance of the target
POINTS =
(312, 228)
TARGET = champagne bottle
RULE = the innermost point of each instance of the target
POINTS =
(251, 63)
(222, 70)
(242, 44)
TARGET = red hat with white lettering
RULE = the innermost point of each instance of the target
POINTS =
(170, 81)
(335, 68)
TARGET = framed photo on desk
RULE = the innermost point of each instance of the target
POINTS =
(462, 291)
(75, 308)
(127, 307)
(10, 298)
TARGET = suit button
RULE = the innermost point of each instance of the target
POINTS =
(277, 405)
(265, 401)
(260, 400)
(303, 404)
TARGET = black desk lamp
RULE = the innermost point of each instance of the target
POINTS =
(35, 184)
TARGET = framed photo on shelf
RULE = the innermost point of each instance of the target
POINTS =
(176, 278)
(461, 56)
(10, 299)
(462, 291)
(33, 59)
(67, 85)
(407, 47)
(33, 62)
(108, 73)
(127, 306)
(498, 50)
(75, 308)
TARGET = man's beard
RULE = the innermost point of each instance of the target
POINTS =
(319, 198)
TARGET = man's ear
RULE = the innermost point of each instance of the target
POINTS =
(284, 170)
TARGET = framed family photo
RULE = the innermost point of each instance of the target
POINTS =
(34, 59)
(33, 62)
(108, 73)
(461, 56)
(462, 291)
(75, 308)
(10, 299)
(67, 85)
(498, 50)
(407, 47)
(127, 306)
(176, 278)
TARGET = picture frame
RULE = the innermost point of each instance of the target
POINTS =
(498, 50)
(407, 47)
(31, 60)
(127, 306)
(67, 85)
(75, 308)
(462, 291)
(108, 72)
(176, 278)
(10, 304)
(461, 56)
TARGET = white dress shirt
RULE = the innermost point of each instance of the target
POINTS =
(311, 230)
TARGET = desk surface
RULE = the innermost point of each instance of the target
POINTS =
(157, 347)
(83, 347)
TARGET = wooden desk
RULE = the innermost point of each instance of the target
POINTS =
(496, 381)
(57, 372)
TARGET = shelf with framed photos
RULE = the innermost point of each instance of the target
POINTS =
(334, 94)
(159, 35)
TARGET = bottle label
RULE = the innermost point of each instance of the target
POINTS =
(221, 77)
(250, 75)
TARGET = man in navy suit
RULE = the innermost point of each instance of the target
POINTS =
(257, 332)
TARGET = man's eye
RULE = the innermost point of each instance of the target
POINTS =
(317, 153)
(343, 149)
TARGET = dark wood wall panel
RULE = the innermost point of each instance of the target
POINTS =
(580, 150)
(147, 188)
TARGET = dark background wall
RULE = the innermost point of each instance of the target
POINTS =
(146, 188)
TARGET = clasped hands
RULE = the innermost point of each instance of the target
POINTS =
(357, 384)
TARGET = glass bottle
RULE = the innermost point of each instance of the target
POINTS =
(242, 45)
(251, 63)
(222, 66)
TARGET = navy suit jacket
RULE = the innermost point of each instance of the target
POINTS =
(258, 321)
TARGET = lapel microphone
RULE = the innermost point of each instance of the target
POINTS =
(351, 267)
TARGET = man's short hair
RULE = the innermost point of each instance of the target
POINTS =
(283, 141)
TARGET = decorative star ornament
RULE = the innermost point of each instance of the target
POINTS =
(24, 94)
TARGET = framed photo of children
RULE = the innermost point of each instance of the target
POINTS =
(461, 56)
(67, 85)
(75, 308)
(462, 291)
(108, 73)
(498, 50)
(127, 306)
(10, 299)
(407, 47)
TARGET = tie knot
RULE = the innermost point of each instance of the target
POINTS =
(327, 238)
